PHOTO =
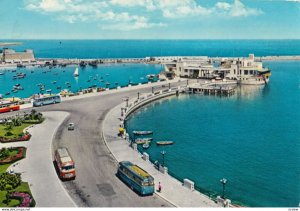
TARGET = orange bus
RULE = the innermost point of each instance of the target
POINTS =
(8, 107)
(65, 164)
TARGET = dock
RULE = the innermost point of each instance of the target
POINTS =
(217, 90)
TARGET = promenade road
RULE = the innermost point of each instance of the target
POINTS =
(96, 184)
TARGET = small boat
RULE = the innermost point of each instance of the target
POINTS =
(54, 82)
(7, 93)
(1, 73)
(143, 140)
(146, 146)
(76, 73)
(18, 88)
(59, 87)
(161, 143)
(142, 132)
(48, 90)
(14, 91)
(88, 81)
(16, 85)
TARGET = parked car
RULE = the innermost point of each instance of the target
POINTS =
(71, 126)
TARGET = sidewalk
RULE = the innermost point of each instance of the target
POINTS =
(37, 168)
(107, 92)
(172, 190)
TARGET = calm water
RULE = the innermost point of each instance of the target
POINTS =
(144, 48)
(251, 139)
(121, 74)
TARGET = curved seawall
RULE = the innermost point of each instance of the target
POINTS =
(173, 190)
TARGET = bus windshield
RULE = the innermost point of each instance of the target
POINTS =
(70, 167)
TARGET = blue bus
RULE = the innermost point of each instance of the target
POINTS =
(136, 178)
(46, 100)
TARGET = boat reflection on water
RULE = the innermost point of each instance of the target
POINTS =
(249, 92)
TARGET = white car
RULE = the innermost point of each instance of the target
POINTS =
(71, 126)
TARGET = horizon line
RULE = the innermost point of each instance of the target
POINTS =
(3, 39)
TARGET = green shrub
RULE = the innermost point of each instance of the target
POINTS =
(4, 153)
(9, 180)
(8, 133)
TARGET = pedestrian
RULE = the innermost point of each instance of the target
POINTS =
(159, 187)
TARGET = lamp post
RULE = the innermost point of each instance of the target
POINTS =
(126, 99)
(163, 153)
(223, 181)
(138, 95)
(152, 89)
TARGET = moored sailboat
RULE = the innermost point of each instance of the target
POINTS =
(76, 72)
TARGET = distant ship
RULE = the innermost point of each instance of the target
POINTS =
(76, 73)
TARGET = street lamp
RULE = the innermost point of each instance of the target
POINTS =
(163, 157)
(126, 99)
(138, 95)
(152, 89)
(223, 181)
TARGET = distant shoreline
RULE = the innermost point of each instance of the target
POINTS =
(72, 61)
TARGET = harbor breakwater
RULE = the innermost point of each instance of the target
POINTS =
(148, 60)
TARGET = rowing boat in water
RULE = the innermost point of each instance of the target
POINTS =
(160, 143)
(143, 140)
(146, 146)
(142, 132)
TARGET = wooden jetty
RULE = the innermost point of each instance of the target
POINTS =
(217, 90)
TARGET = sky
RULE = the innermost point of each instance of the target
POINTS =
(149, 19)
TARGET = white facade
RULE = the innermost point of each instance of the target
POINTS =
(245, 71)
(11, 56)
(190, 67)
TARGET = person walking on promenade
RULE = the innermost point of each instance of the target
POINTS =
(159, 187)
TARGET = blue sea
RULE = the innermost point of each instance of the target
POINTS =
(145, 48)
(251, 139)
(60, 78)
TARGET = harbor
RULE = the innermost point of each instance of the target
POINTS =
(164, 139)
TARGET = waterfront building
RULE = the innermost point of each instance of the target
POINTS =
(13, 57)
(241, 70)
(244, 70)
(189, 67)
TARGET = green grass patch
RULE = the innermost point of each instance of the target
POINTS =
(4, 167)
(24, 187)
(16, 130)
(12, 203)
